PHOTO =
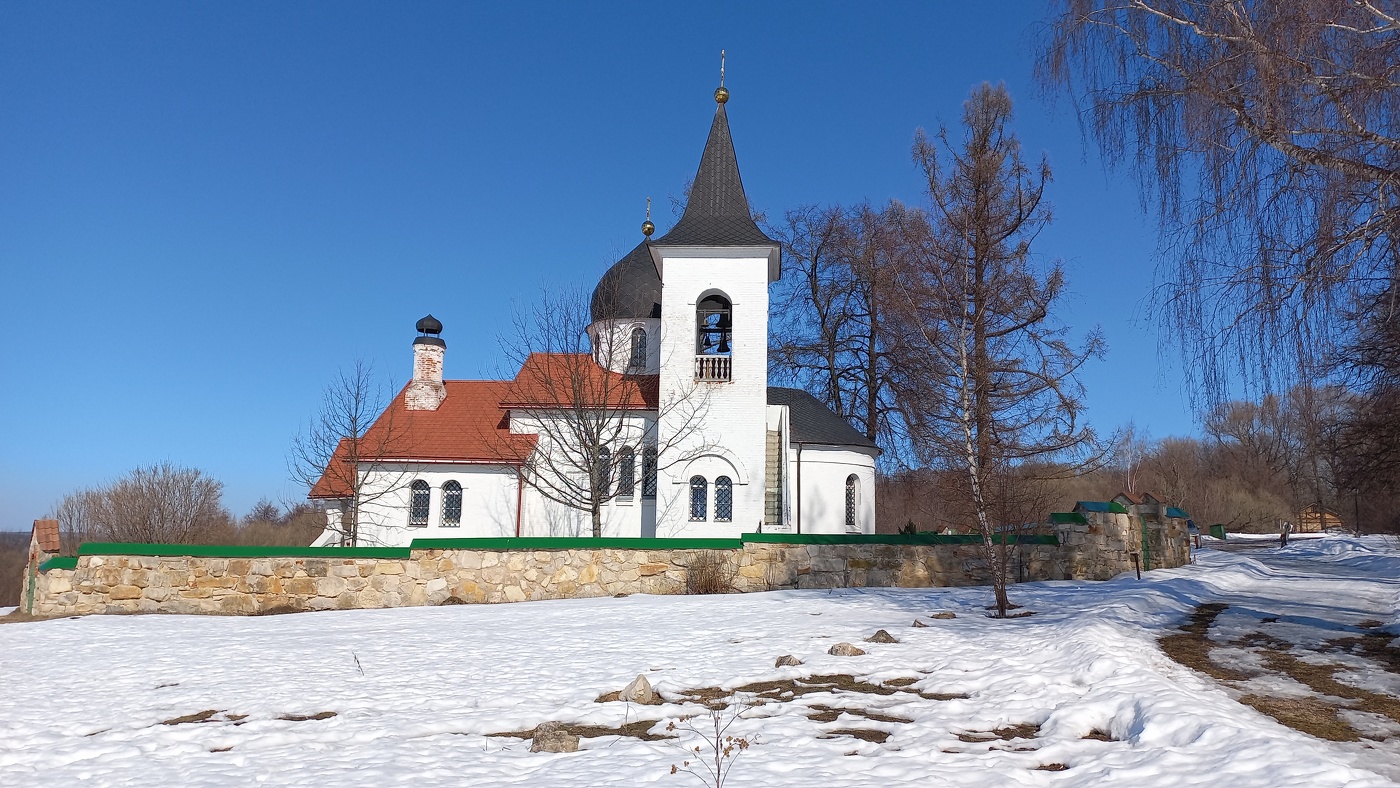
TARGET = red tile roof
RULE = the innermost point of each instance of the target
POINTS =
(46, 534)
(468, 427)
(551, 380)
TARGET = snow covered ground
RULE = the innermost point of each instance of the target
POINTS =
(415, 691)
(1243, 537)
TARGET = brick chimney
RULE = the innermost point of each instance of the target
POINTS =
(426, 392)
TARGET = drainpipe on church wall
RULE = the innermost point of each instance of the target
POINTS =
(519, 496)
(799, 488)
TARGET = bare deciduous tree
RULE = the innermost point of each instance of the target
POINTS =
(1367, 440)
(161, 503)
(352, 447)
(1264, 136)
(994, 389)
(596, 428)
(829, 334)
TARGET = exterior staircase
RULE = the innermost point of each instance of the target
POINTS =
(773, 480)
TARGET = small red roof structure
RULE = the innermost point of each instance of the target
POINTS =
(46, 535)
(1136, 498)
(559, 380)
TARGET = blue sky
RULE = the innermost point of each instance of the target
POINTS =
(206, 209)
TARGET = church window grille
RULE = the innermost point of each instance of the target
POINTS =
(639, 349)
(418, 503)
(603, 471)
(699, 498)
(649, 472)
(724, 500)
(714, 327)
(451, 504)
(626, 473)
(852, 503)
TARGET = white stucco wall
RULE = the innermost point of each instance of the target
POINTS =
(824, 471)
(612, 343)
(735, 412)
(488, 504)
(622, 516)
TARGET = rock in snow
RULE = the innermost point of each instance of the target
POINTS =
(881, 636)
(787, 661)
(639, 691)
(845, 650)
(553, 737)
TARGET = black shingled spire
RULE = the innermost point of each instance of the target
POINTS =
(717, 213)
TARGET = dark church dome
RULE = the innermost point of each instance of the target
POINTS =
(630, 289)
(429, 325)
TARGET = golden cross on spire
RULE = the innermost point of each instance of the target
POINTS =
(721, 92)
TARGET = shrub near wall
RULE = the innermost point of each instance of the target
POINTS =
(126, 578)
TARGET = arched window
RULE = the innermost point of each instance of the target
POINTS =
(603, 471)
(451, 504)
(626, 473)
(724, 500)
(649, 472)
(699, 498)
(852, 503)
(639, 349)
(713, 326)
(418, 503)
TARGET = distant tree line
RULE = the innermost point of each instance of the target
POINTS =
(162, 503)
(1254, 468)
(166, 503)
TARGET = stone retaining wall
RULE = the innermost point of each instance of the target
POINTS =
(437, 575)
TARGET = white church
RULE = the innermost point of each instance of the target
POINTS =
(689, 313)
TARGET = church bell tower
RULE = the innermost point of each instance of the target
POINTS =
(715, 266)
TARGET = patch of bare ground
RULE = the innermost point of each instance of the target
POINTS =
(1025, 730)
(1051, 767)
(1266, 640)
(1321, 679)
(221, 749)
(823, 713)
(1308, 715)
(17, 617)
(1317, 716)
(641, 729)
(788, 689)
(1191, 646)
(1374, 646)
(320, 715)
(878, 737)
(1098, 734)
(200, 716)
